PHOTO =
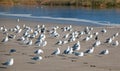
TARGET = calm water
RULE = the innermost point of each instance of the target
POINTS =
(63, 14)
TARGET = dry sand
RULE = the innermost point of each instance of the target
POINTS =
(89, 62)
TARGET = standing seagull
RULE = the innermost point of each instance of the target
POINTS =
(39, 51)
(91, 50)
(109, 40)
(37, 58)
(70, 51)
(18, 20)
(10, 62)
(56, 52)
(29, 42)
(12, 51)
(103, 30)
(67, 50)
(76, 46)
(5, 39)
(97, 43)
(105, 52)
(116, 43)
(79, 54)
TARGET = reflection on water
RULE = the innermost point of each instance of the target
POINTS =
(100, 15)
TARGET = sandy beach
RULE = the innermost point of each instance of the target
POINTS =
(62, 62)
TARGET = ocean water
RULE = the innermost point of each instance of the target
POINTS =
(64, 15)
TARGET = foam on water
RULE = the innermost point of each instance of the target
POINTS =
(58, 18)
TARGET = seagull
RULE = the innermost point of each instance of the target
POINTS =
(1, 28)
(39, 42)
(12, 51)
(19, 31)
(18, 20)
(104, 30)
(71, 39)
(66, 36)
(29, 42)
(42, 37)
(17, 27)
(37, 58)
(97, 43)
(90, 36)
(39, 51)
(59, 42)
(79, 54)
(44, 43)
(116, 43)
(116, 34)
(65, 29)
(87, 38)
(5, 39)
(70, 51)
(109, 40)
(76, 46)
(11, 36)
(86, 30)
(105, 52)
(96, 33)
(96, 38)
(56, 52)
(67, 50)
(10, 62)
(21, 38)
(81, 33)
(91, 50)
(64, 42)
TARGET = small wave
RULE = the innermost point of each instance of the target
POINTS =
(57, 18)
(17, 15)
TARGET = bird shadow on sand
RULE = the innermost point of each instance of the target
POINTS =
(31, 55)
(61, 55)
(1, 67)
(31, 62)
(73, 57)
(48, 56)
(7, 54)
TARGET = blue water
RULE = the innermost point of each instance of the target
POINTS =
(63, 14)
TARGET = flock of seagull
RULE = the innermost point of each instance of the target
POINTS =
(39, 32)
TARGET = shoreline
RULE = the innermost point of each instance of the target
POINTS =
(60, 22)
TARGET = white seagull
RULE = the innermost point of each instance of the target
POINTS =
(66, 36)
(104, 30)
(91, 50)
(97, 43)
(56, 52)
(70, 51)
(37, 58)
(79, 54)
(116, 34)
(29, 42)
(76, 46)
(59, 42)
(109, 40)
(10, 62)
(105, 52)
(12, 51)
(18, 20)
(44, 43)
(87, 38)
(39, 51)
(67, 50)
(5, 39)
(116, 43)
